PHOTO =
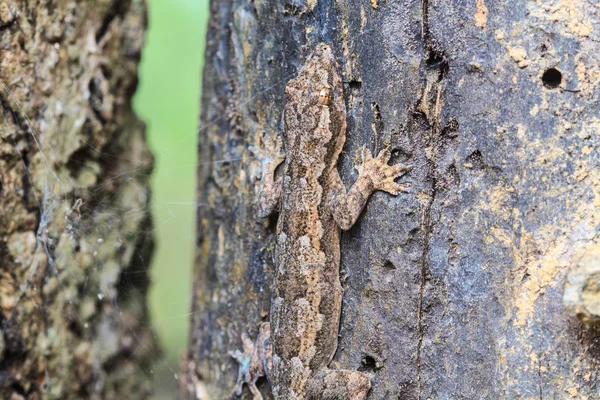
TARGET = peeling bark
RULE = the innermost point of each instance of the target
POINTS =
(453, 291)
(74, 219)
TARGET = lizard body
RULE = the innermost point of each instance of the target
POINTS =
(313, 208)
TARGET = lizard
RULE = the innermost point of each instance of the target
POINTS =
(294, 349)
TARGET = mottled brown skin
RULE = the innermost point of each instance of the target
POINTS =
(313, 205)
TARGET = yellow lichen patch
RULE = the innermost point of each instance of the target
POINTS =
(557, 246)
(588, 75)
(519, 55)
(374, 4)
(534, 110)
(557, 254)
(481, 12)
(586, 150)
(497, 198)
(570, 16)
(499, 35)
(499, 234)
(550, 154)
(533, 357)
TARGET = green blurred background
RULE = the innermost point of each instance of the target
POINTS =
(168, 100)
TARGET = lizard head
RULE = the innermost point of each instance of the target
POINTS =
(315, 107)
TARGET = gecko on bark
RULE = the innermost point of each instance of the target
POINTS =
(295, 349)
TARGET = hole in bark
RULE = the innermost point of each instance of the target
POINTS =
(18, 388)
(451, 128)
(399, 155)
(288, 9)
(262, 383)
(106, 72)
(74, 325)
(552, 78)
(273, 220)
(369, 364)
(78, 160)
(475, 159)
(437, 60)
(355, 85)
(388, 266)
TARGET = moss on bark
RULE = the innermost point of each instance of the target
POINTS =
(74, 219)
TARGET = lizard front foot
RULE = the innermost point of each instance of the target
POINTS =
(269, 153)
(381, 174)
(270, 156)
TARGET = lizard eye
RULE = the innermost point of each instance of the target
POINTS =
(326, 96)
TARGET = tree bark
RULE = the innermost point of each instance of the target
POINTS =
(456, 289)
(74, 221)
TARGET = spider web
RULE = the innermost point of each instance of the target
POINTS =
(74, 275)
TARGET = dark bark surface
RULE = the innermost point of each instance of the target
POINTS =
(454, 290)
(74, 221)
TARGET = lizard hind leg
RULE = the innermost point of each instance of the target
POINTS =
(341, 384)
(255, 361)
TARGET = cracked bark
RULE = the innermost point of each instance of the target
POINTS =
(74, 218)
(452, 291)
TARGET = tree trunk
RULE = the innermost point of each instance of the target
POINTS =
(74, 223)
(454, 290)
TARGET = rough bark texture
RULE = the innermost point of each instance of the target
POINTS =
(74, 219)
(455, 290)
